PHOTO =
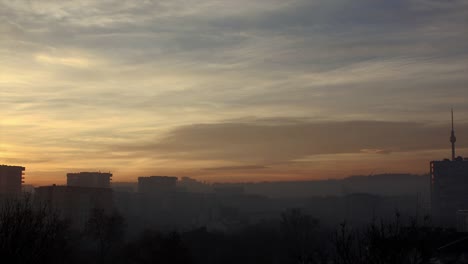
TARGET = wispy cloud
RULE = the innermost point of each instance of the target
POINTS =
(237, 168)
(252, 141)
(80, 78)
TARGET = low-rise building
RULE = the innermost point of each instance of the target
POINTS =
(89, 179)
(157, 184)
(75, 203)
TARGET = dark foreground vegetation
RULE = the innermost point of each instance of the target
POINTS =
(31, 233)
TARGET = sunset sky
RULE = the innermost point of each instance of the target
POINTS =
(245, 90)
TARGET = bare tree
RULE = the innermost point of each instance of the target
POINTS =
(386, 243)
(107, 230)
(300, 237)
(155, 247)
(32, 234)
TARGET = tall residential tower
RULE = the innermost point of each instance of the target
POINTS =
(11, 179)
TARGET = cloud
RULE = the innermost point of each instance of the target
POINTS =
(156, 80)
(269, 142)
(237, 168)
(376, 151)
(66, 61)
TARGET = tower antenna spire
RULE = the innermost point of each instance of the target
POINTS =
(453, 139)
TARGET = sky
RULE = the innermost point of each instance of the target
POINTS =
(229, 91)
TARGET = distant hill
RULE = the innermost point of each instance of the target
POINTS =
(381, 184)
(387, 184)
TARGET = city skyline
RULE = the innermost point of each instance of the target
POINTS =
(221, 91)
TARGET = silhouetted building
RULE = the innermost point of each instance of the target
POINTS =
(462, 221)
(11, 179)
(124, 186)
(89, 179)
(27, 188)
(192, 185)
(157, 184)
(449, 186)
(75, 203)
(228, 189)
(449, 189)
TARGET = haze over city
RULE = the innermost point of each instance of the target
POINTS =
(231, 91)
(248, 131)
